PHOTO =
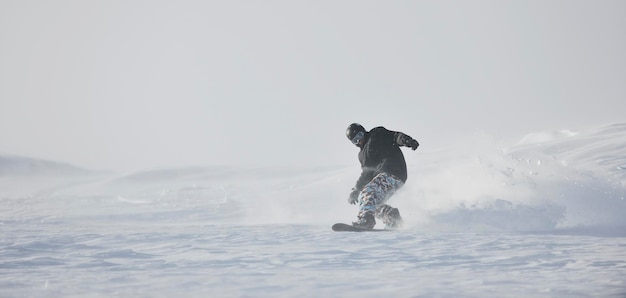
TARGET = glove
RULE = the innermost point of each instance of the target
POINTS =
(413, 144)
(404, 140)
(354, 196)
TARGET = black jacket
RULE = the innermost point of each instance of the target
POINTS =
(381, 154)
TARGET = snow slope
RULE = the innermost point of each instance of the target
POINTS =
(542, 218)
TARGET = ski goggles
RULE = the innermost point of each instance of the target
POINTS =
(358, 137)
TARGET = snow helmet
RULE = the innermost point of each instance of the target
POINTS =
(353, 130)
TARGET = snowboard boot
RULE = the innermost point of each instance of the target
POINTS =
(393, 220)
(365, 220)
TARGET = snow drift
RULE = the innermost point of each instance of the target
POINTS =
(550, 181)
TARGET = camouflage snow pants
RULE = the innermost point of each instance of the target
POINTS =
(373, 196)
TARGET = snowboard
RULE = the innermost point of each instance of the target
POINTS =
(342, 227)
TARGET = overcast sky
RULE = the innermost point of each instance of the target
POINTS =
(140, 84)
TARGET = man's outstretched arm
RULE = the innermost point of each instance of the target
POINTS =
(405, 140)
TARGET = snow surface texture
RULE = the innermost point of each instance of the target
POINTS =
(544, 218)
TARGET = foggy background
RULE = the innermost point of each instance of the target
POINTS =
(137, 84)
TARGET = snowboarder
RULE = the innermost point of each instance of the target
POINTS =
(383, 172)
